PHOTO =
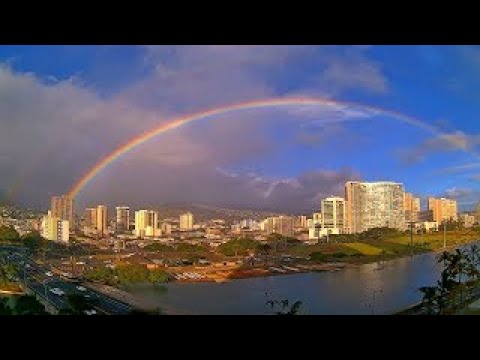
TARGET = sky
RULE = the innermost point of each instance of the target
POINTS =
(64, 108)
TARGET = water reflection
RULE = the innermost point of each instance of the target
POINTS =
(366, 289)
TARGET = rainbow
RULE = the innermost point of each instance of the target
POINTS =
(183, 120)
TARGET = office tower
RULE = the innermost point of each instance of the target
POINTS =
(146, 223)
(373, 205)
(123, 218)
(301, 222)
(186, 221)
(102, 220)
(282, 225)
(91, 218)
(333, 214)
(443, 209)
(62, 207)
(412, 207)
(54, 228)
(166, 228)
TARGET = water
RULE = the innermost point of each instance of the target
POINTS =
(368, 289)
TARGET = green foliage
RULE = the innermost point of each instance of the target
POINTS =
(128, 274)
(184, 247)
(132, 273)
(34, 242)
(237, 247)
(459, 276)
(4, 308)
(322, 257)
(104, 274)
(158, 276)
(28, 305)
(318, 256)
(159, 247)
(77, 304)
(8, 233)
(379, 233)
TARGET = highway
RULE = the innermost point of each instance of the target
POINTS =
(41, 281)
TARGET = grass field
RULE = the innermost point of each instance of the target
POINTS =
(364, 249)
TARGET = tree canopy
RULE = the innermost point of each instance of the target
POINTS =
(237, 247)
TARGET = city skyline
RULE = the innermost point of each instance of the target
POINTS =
(408, 108)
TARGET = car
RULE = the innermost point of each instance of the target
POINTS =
(57, 291)
(49, 274)
(81, 288)
(27, 266)
(90, 312)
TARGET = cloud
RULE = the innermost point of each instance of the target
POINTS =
(456, 141)
(53, 130)
(467, 198)
(191, 184)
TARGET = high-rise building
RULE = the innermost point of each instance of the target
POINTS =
(412, 207)
(186, 221)
(102, 220)
(333, 214)
(166, 228)
(146, 223)
(301, 222)
(62, 207)
(123, 218)
(443, 209)
(54, 228)
(91, 218)
(373, 205)
(282, 225)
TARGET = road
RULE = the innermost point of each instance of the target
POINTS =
(37, 279)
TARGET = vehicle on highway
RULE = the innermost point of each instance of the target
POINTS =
(57, 291)
(49, 274)
(81, 288)
(90, 312)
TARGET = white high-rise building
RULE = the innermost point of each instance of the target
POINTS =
(373, 205)
(333, 214)
(186, 221)
(333, 219)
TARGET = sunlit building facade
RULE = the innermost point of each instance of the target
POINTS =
(186, 221)
(373, 205)
(443, 209)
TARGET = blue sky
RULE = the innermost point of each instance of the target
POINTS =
(64, 107)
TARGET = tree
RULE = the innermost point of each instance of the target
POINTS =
(8, 233)
(78, 304)
(237, 247)
(34, 242)
(28, 305)
(4, 308)
(264, 250)
(283, 307)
